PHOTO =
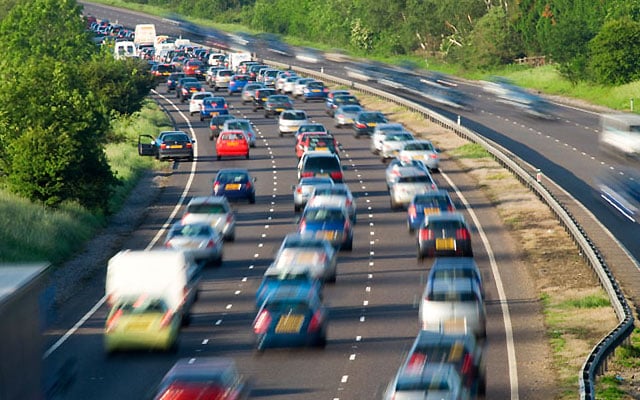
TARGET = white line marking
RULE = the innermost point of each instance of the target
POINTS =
(218, 322)
(228, 307)
(352, 357)
(344, 379)
(205, 341)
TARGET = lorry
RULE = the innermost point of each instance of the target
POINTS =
(235, 59)
(171, 275)
(145, 36)
(620, 135)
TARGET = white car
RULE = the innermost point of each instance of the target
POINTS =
(421, 150)
(393, 143)
(433, 380)
(410, 183)
(290, 121)
(289, 84)
(196, 101)
(335, 194)
(298, 89)
(249, 92)
(380, 131)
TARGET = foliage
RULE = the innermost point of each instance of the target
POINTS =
(615, 52)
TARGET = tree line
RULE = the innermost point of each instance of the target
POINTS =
(589, 40)
(58, 96)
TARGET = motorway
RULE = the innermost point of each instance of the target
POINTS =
(373, 304)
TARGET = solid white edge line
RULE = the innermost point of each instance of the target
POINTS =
(508, 329)
(152, 243)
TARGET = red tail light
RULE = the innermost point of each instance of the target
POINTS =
(226, 106)
(426, 234)
(361, 125)
(211, 244)
(302, 226)
(462, 234)
(340, 115)
(316, 322)
(189, 145)
(467, 364)
(299, 190)
(216, 186)
(347, 225)
(433, 186)
(450, 207)
(348, 203)
(229, 219)
(433, 155)
(168, 245)
(163, 146)
(306, 174)
(336, 176)
(166, 319)
(412, 211)
(416, 362)
(262, 322)
(113, 321)
(184, 217)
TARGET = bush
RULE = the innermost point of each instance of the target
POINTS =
(615, 53)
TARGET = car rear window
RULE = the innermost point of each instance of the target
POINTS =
(175, 138)
(288, 307)
(206, 209)
(317, 163)
(419, 146)
(225, 73)
(294, 116)
(415, 179)
(458, 296)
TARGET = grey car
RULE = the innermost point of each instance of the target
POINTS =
(304, 189)
(243, 125)
(380, 131)
(409, 183)
(168, 145)
(392, 143)
(422, 150)
(317, 254)
(343, 116)
(214, 211)
(202, 241)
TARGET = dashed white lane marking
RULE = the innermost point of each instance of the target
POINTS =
(228, 307)
(205, 341)
(218, 322)
(352, 357)
(344, 379)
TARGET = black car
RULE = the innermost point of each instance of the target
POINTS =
(365, 122)
(168, 145)
(261, 97)
(321, 164)
(172, 80)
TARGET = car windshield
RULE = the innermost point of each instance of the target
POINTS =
(322, 163)
(414, 179)
(427, 201)
(417, 382)
(398, 137)
(372, 117)
(232, 136)
(351, 109)
(422, 146)
(241, 78)
(142, 305)
(312, 128)
(225, 73)
(457, 296)
(315, 85)
(288, 307)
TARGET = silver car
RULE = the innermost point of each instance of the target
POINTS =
(453, 304)
(298, 88)
(290, 121)
(433, 380)
(336, 194)
(393, 143)
(409, 183)
(302, 251)
(199, 239)
(344, 115)
(243, 125)
(422, 150)
(380, 131)
(304, 189)
(214, 211)
(249, 92)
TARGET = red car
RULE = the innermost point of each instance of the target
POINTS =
(232, 144)
(194, 68)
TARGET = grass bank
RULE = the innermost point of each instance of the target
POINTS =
(30, 232)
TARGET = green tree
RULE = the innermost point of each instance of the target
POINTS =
(615, 52)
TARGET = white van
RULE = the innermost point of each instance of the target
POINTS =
(171, 275)
(124, 49)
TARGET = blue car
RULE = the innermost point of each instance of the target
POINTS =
(432, 202)
(277, 277)
(212, 107)
(291, 316)
(234, 184)
(237, 83)
(314, 90)
(328, 222)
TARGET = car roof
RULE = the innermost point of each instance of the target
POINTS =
(447, 216)
(200, 367)
(208, 200)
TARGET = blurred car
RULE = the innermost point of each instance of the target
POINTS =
(298, 88)
(235, 183)
(432, 381)
(281, 78)
(456, 267)
(311, 127)
(141, 322)
(315, 141)
(277, 103)
(261, 97)
(339, 100)
(162, 71)
(216, 124)
(621, 189)
(213, 210)
(237, 83)
(269, 77)
(195, 102)
(445, 234)
(291, 316)
(232, 144)
(199, 239)
(249, 92)
(330, 222)
(213, 107)
(337, 194)
(345, 115)
(314, 90)
(422, 150)
(320, 163)
(396, 168)
(195, 68)
(393, 143)
(172, 80)
(202, 378)
(253, 71)
(379, 133)
(181, 82)
(168, 145)
(431, 202)
(243, 125)
(210, 75)
(221, 79)
(302, 251)
(300, 276)
(290, 121)
(408, 183)
(303, 190)
(188, 89)
(453, 304)
(365, 122)
(289, 84)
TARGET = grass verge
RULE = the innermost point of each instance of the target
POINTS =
(30, 232)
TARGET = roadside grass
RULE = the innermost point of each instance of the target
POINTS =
(30, 232)
(470, 150)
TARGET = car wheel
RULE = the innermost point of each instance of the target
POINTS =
(247, 156)
(356, 135)
(332, 279)
(304, 100)
(349, 245)
(410, 228)
(266, 115)
(296, 208)
(321, 342)
(244, 102)
(252, 199)
(186, 319)
(219, 157)
(280, 134)
(230, 237)
(201, 118)
(392, 204)
(255, 109)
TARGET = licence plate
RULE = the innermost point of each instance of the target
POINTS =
(445, 244)
(175, 146)
(322, 174)
(137, 326)
(232, 144)
(279, 109)
(454, 326)
(232, 186)
(371, 124)
(428, 211)
(289, 324)
(326, 235)
(316, 90)
(213, 113)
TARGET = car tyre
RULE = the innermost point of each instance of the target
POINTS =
(230, 237)
(218, 158)
(201, 118)
(252, 199)
(356, 135)
(247, 156)
(349, 245)
(296, 208)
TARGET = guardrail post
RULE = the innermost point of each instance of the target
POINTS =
(458, 120)
(538, 175)
(631, 104)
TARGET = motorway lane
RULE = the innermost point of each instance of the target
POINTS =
(373, 304)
